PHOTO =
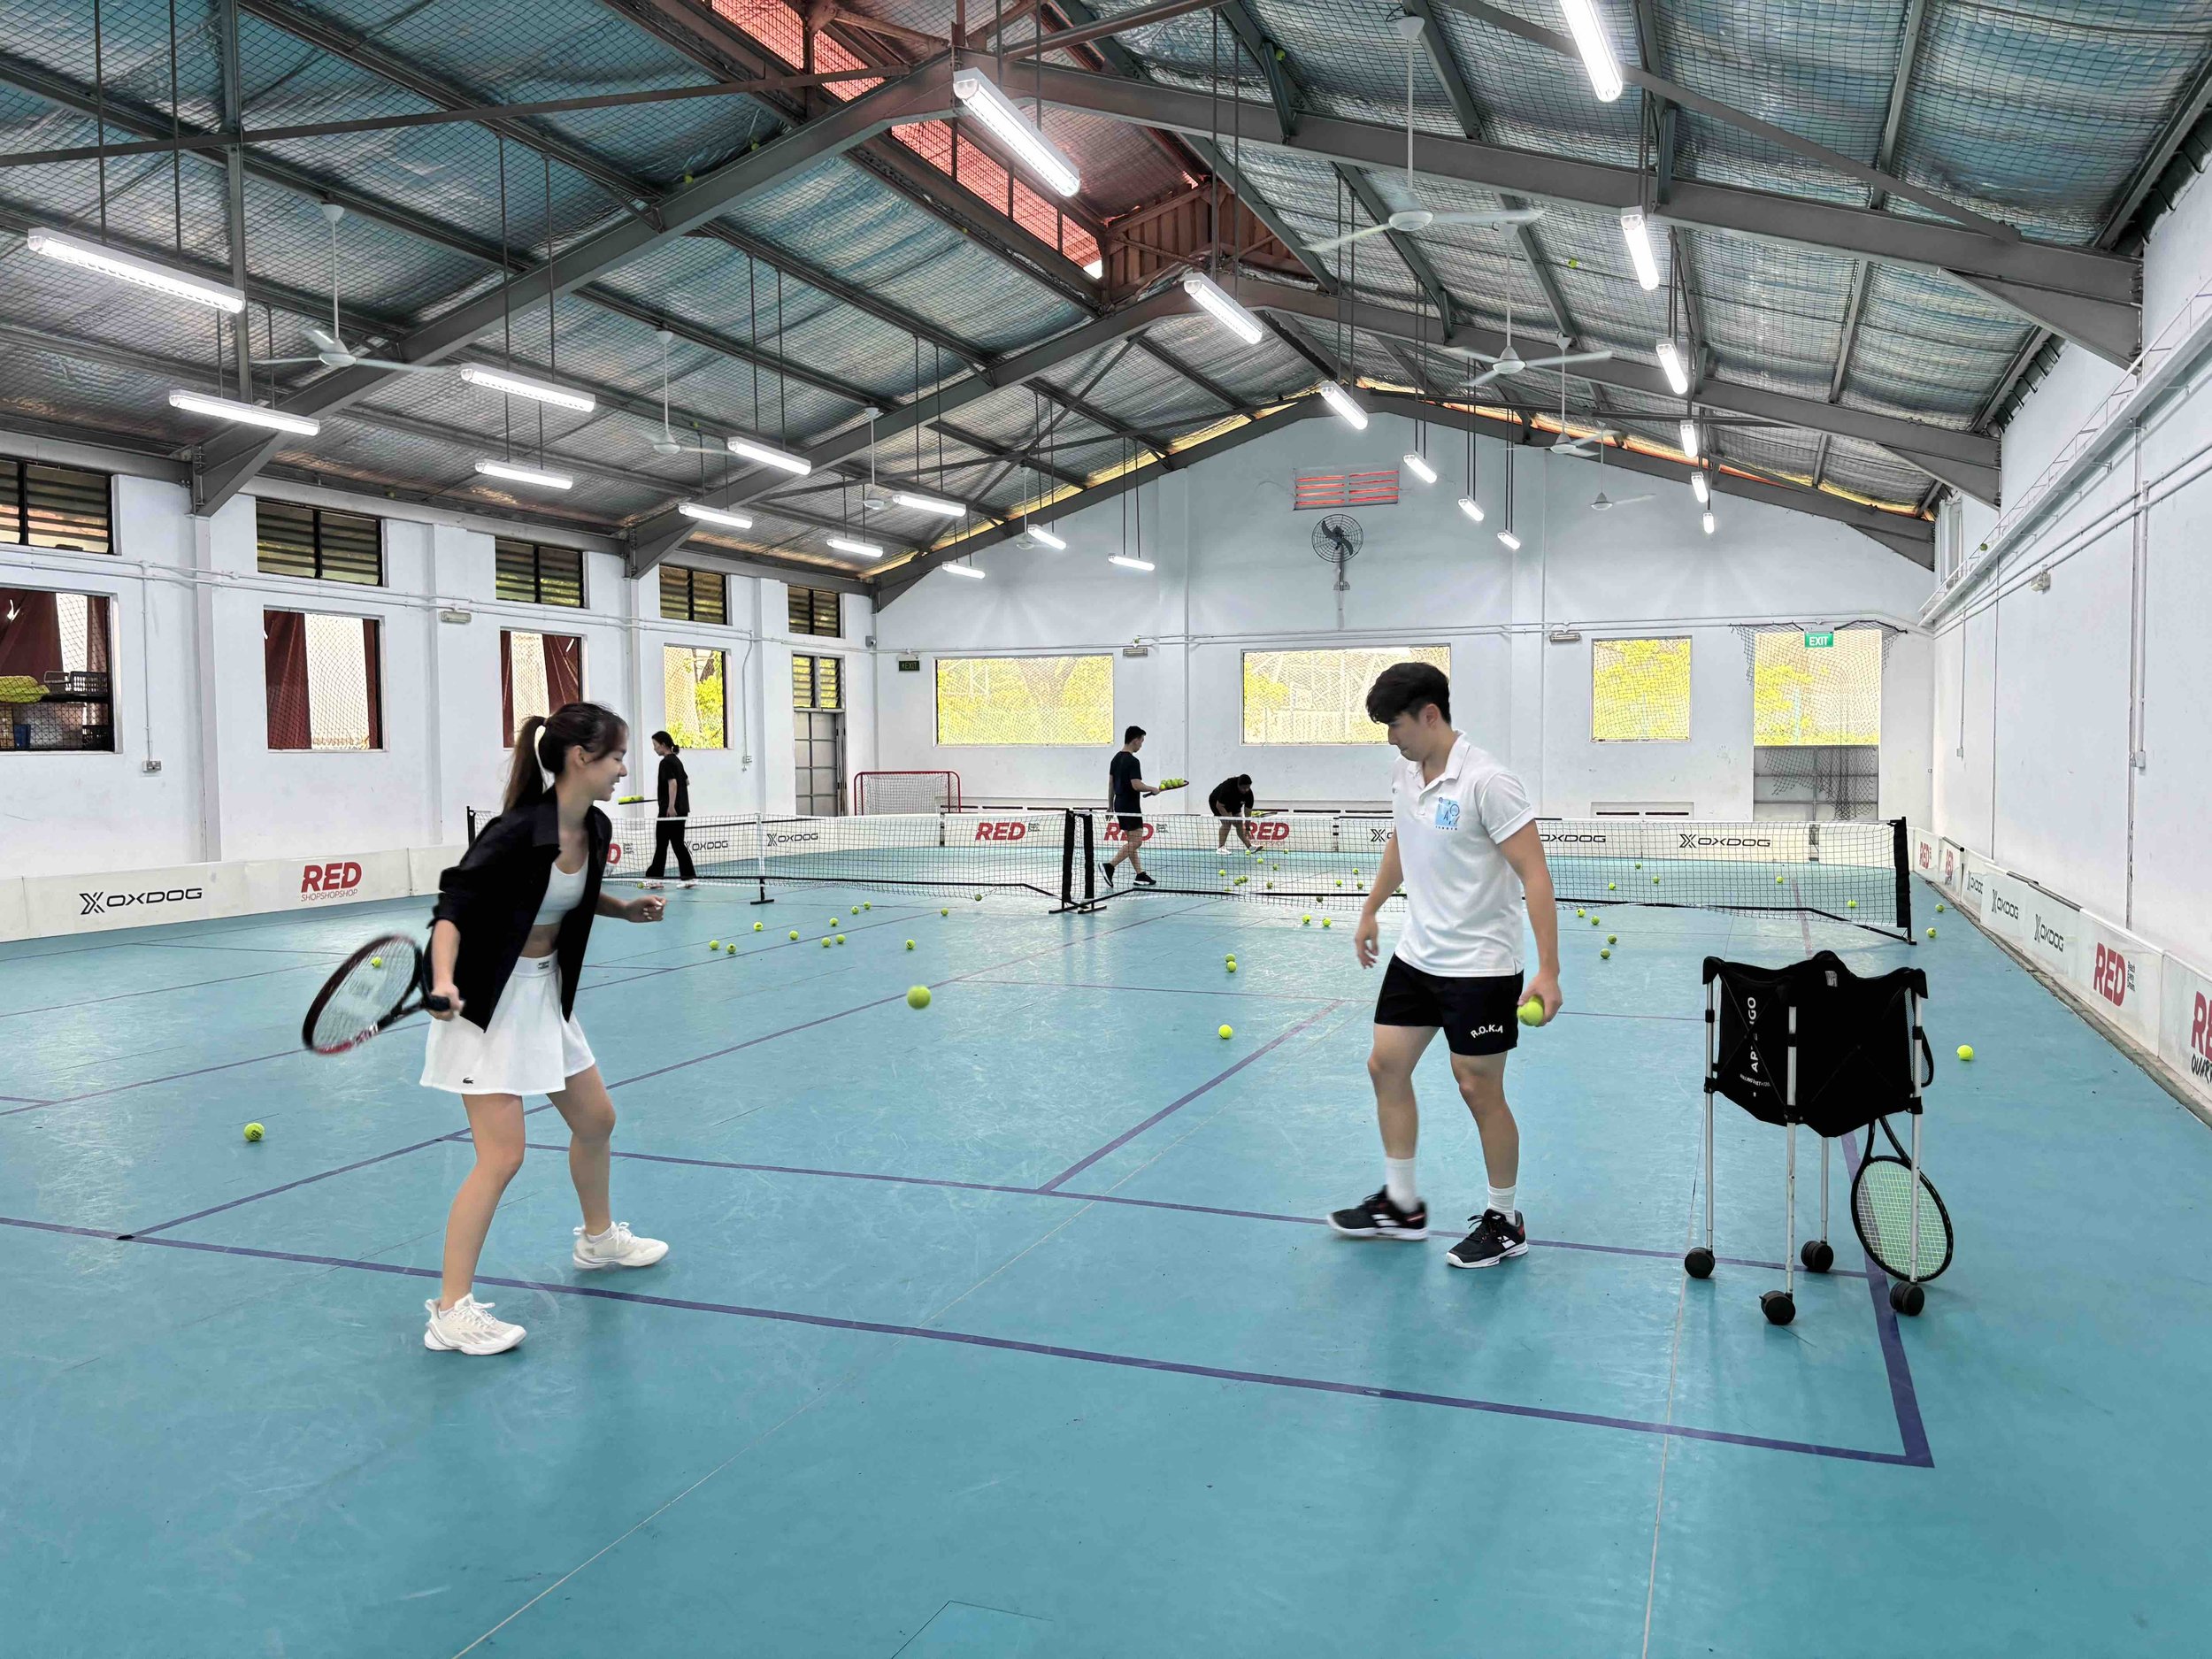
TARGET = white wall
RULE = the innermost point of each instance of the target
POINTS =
(190, 691)
(2034, 690)
(1236, 570)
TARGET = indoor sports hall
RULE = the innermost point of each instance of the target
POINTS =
(804, 808)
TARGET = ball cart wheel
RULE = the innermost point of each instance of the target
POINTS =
(1817, 1257)
(1907, 1299)
(1778, 1306)
(1699, 1262)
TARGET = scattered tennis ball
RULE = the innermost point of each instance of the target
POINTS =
(1532, 1013)
(376, 962)
(840, 939)
(1232, 967)
(918, 997)
(979, 898)
(1595, 922)
(1580, 911)
(254, 1132)
(1640, 866)
(1271, 887)
(714, 944)
(1932, 932)
(795, 933)
(729, 951)
(1612, 939)
(1966, 1052)
(1777, 881)
(757, 927)
(1655, 882)
(1340, 882)
(1305, 921)
(1231, 956)
(909, 944)
(1224, 874)
(825, 943)
(837, 921)
(1938, 908)
(1325, 922)
(944, 912)
(1605, 956)
(1851, 904)
(1608, 886)
(1226, 1034)
(866, 905)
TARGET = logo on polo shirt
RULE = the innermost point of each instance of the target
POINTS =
(1448, 814)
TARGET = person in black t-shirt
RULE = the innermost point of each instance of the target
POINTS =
(672, 804)
(1231, 802)
(1126, 788)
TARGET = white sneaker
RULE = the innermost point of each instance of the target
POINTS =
(618, 1247)
(686, 884)
(468, 1327)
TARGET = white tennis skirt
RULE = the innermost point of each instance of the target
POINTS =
(528, 1049)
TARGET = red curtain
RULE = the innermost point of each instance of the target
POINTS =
(30, 633)
(506, 689)
(372, 670)
(284, 659)
(96, 634)
(564, 670)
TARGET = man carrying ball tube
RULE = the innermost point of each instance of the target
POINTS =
(1464, 846)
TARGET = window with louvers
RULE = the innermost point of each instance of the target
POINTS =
(816, 682)
(290, 540)
(693, 596)
(814, 612)
(539, 575)
(54, 507)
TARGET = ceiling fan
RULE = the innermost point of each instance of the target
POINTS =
(1419, 218)
(1601, 502)
(331, 349)
(1510, 362)
(668, 444)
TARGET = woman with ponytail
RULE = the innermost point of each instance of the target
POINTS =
(506, 947)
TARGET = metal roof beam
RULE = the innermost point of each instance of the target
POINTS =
(1893, 119)
(230, 462)
(984, 446)
(2088, 294)
(1213, 388)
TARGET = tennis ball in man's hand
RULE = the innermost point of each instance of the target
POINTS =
(1226, 1034)
(254, 1132)
(1966, 1052)
(918, 997)
(1532, 1013)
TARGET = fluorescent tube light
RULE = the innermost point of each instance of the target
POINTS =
(1708, 522)
(929, 504)
(250, 414)
(522, 386)
(848, 544)
(1128, 562)
(1216, 302)
(965, 570)
(1095, 270)
(1671, 360)
(1418, 465)
(525, 474)
(1689, 439)
(1016, 131)
(1346, 406)
(1636, 231)
(1473, 508)
(1510, 539)
(1038, 532)
(768, 454)
(1597, 51)
(1699, 487)
(125, 267)
(714, 515)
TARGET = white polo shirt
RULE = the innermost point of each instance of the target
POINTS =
(1463, 902)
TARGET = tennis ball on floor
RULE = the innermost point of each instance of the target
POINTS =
(918, 997)
(1640, 866)
(757, 927)
(1595, 922)
(1938, 908)
(714, 944)
(909, 944)
(840, 939)
(1605, 956)
(1325, 922)
(1612, 939)
(376, 962)
(729, 951)
(1224, 874)
(1851, 904)
(795, 933)
(1608, 886)
(1580, 911)
(1226, 1034)
(1232, 967)
(254, 1132)
(1777, 881)
(1305, 921)
(1271, 887)
(1655, 882)
(1966, 1052)
(944, 912)
(979, 898)
(825, 943)
(1932, 932)
(866, 905)
(837, 921)
(1532, 1011)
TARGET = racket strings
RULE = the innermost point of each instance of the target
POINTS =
(367, 996)
(1882, 1204)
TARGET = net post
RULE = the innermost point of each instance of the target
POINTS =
(1904, 877)
(1067, 862)
(760, 860)
(471, 826)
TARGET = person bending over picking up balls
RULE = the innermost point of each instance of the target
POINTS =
(1464, 846)
(1231, 802)
(1125, 789)
(506, 948)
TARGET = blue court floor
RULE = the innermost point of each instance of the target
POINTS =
(1008, 1327)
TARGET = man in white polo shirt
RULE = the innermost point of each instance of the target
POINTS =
(1465, 845)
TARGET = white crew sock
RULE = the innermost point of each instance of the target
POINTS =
(600, 1238)
(1501, 1200)
(1398, 1182)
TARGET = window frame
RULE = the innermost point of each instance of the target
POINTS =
(315, 541)
(1397, 653)
(1109, 738)
(506, 673)
(113, 628)
(373, 675)
(500, 548)
(15, 505)
(809, 627)
(814, 661)
(1689, 680)
(684, 736)
(692, 575)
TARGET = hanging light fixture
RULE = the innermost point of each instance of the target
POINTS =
(126, 268)
(714, 515)
(855, 546)
(1671, 361)
(768, 455)
(1699, 487)
(1217, 303)
(1016, 131)
(1044, 537)
(1348, 409)
(1417, 465)
(523, 386)
(920, 502)
(246, 414)
(1636, 232)
(516, 474)
(1470, 503)
(1708, 522)
(965, 570)
(1598, 61)
(1689, 438)
(1506, 536)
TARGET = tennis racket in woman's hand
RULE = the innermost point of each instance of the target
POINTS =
(371, 991)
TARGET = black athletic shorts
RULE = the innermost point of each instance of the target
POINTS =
(1477, 1016)
(1132, 825)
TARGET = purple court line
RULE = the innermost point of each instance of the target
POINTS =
(147, 1082)
(1157, 990)
(1095, 1357)
(154, 990)
(26, 1099)
(305, 1181)
(1170, 1110)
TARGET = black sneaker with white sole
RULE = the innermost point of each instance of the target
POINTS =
(1496, 1238)
(1375, 1216)
(1144, 880)
(1107, 872)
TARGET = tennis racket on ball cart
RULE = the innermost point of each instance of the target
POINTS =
(376, 987)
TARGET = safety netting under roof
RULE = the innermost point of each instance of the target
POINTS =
(1929, 349)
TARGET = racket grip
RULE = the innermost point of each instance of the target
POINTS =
(438, 1005)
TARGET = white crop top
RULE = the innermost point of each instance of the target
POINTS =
(563, 892)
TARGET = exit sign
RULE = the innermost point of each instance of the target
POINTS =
(1815, 640)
